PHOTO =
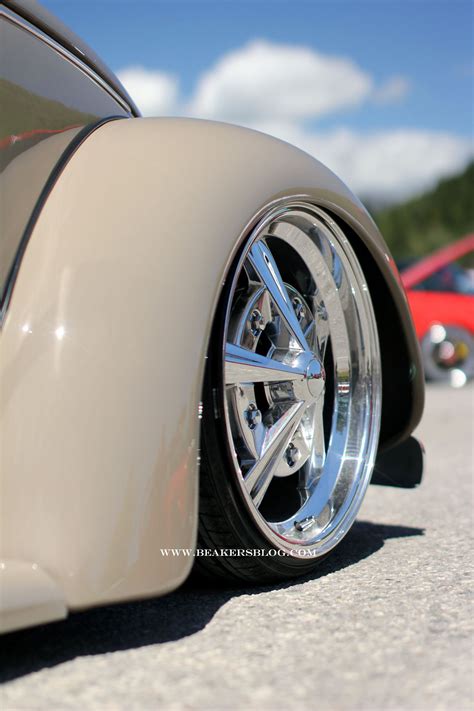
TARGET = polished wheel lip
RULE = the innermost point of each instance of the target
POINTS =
(324, 543)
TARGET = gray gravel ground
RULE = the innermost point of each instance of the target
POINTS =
(386, 622)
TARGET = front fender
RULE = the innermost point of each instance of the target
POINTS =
(104, 343)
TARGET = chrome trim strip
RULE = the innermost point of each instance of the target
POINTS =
(28, 27)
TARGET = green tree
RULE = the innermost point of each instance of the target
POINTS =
(432, 220)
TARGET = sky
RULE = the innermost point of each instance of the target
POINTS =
(381, 91)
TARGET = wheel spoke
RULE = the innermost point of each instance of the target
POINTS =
(309, 475)
(322, 483)
(321, 325)
(318, 454)
(309, 332)
(318, 448)
(317, 335)
(274, 445)
(325, 273)
(264, 264)
(244, 366)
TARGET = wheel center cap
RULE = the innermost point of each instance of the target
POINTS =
(315, 378)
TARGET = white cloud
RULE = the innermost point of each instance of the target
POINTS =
(154, 92)
(278, 89)
(385, 165)
(262, 81)
(392, 91)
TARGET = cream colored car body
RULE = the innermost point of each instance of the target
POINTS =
(103, 351)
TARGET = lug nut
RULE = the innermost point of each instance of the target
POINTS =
(253, 416)
(293, 454)
(257, 322)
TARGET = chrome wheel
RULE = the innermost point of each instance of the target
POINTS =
(448, 354)
(302, 381)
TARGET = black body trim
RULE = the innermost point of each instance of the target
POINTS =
(401, 466)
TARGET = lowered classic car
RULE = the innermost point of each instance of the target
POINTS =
(206, 350)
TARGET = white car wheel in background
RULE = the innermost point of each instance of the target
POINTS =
(448, 354)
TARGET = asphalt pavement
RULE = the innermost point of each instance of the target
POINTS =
(386, 623)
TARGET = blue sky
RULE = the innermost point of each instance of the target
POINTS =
(417, 56)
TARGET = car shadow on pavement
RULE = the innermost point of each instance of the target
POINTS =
(164, 619)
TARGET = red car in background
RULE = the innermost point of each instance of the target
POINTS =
(441, 296)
